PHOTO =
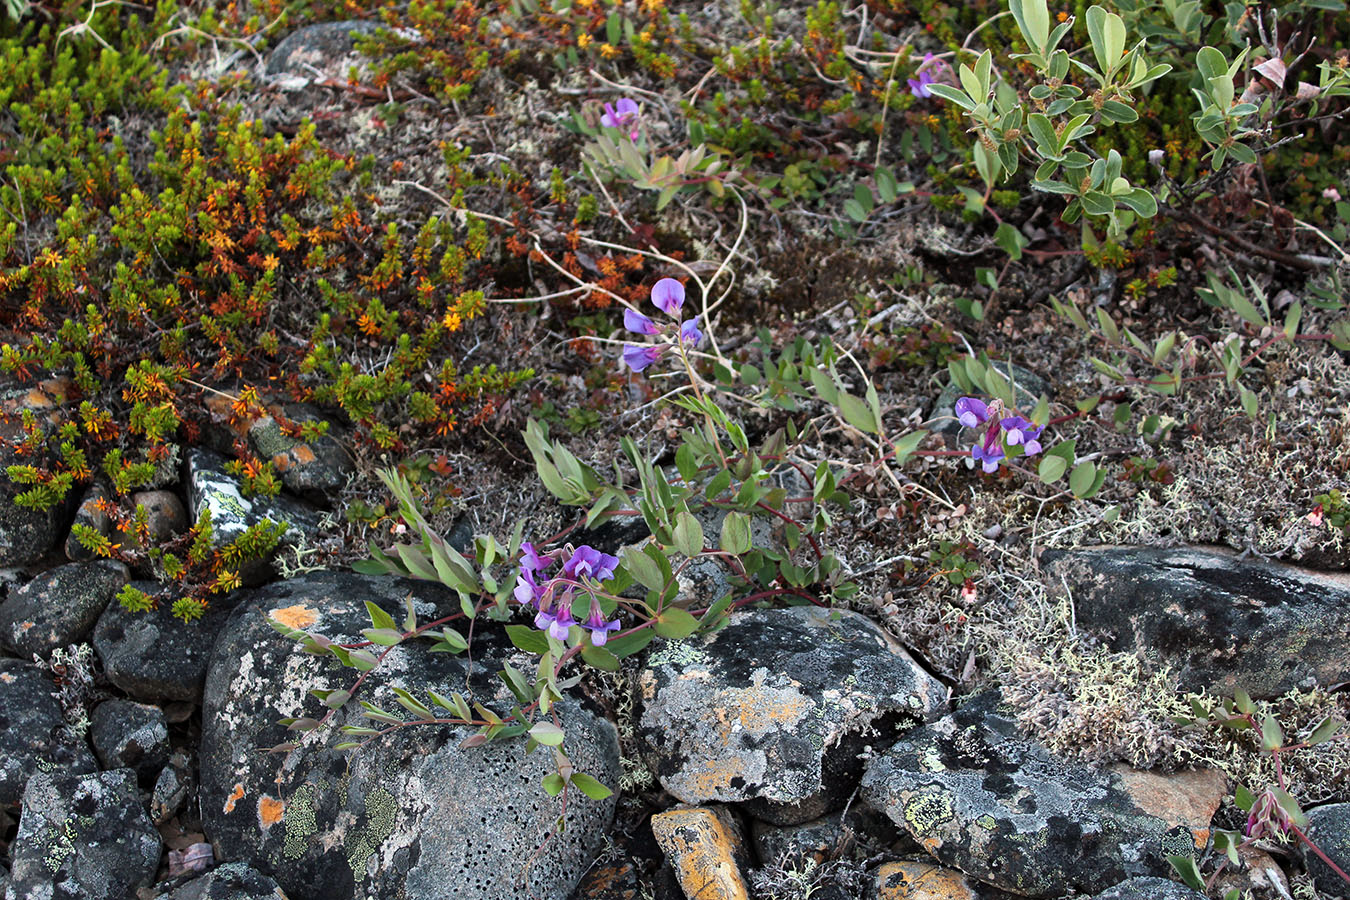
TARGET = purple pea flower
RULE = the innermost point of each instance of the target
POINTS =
(556, 621)
(1020, 431)
(689, 332)
(972, 412)
(988, 456)
(599, 628)
(668, 295)
(619, 115)
(919, 86)
(587, 562)
(637, 323)
(639, 356)
(1267, 817)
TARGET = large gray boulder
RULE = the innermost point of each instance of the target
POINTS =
(1219, 621)
(1002, 809)
(773, 710)
(33, 736)
(1329, 828)
(83, 837)
(411, 814)
(59, 607)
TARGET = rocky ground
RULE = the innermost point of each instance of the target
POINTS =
(991, 715)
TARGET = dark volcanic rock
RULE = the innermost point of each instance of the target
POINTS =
(130, 735)
(772, 710)
(231, 881)
(33, 737)
(1147, 888)
(408, 814)
(152, 655)
(1329, 828)
(83, 837)
(1002, 809)
(1220, 622)
(58, 607)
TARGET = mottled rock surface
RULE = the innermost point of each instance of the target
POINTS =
(153, 656)
(33, 737)
(58, 607)
(1149, 888)
(130, 735)
(83, 837)
(998, 807)
(1218, 621)
(772, 711)
(231, 881)
(1329, 827)
(408, 814)
(210, 487)
(312, 469)
(706, 848)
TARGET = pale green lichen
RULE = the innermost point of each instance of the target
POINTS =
(381, 812)
(676, 653)
(299, 821)
(60, 846)
(925, 813)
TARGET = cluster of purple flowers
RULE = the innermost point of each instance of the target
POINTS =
(667, 296)
(622, 115)
(551, 598)
(927, 74)
(1014, 431)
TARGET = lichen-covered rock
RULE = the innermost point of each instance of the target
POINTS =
(1149, 888)
(411, 814)
(59, 607)
(707, 850)
(919, 880)
(1004, 810)
(231, 881)
(772, 711)
(83, 837)
(1329, 828)
(319, 47)
(829, 837)
(32, 733)
(1218, 621)
(153, 656)
(312, 469)
(171, 789)
(210, 487)
(130, 735)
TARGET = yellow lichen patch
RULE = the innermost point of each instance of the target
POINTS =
(303, 455)
(1189, 799)
(703, 844)
(236, 794)
(921, 881)
(281, 462)
(295, 616)
(712, 777)
(6, 678)
(270, 811)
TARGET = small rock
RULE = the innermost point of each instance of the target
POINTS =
(314, 469)
(829, 837)
(90, 515)
(165, 515)
(1220, 622)
(327, 48)
(773, 710)
(1259, 877)
(705, 848)
(153, 656)
(130, 735)
(83, 837)
(58, 607)
(1004, 810)
(1149, 888)
(1329, 828)
(171, 790)
(922, 881)
(33, 736)
(233, 880)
